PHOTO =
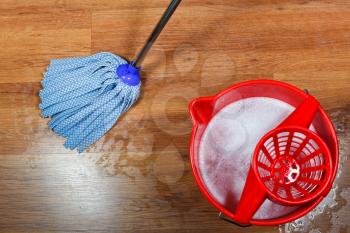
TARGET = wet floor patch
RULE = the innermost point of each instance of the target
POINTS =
(331, 215)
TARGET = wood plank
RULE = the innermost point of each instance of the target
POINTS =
(31, 36)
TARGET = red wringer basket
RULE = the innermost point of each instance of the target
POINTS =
(294, 165)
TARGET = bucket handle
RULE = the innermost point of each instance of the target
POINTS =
(222, 216)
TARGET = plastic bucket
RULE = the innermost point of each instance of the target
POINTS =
(203, 109)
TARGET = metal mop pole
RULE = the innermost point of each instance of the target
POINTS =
(156, 31)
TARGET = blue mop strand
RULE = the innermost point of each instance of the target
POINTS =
(108, 122)
(84, 114)
(59, 90)
(86, 96)
(70, 98)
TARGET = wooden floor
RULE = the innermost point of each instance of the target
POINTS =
(137, 178)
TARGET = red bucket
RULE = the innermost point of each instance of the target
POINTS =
(203, 109)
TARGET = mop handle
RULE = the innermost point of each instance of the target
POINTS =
(156, 31)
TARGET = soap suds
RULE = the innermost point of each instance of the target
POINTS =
(340, 219)
(228, 144)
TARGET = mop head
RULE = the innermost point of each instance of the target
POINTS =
(85, 96)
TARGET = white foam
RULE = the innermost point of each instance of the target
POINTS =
(228, 144)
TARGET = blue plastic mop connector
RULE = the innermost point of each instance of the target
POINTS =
(129, 74)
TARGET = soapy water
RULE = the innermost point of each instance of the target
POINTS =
(228, 144)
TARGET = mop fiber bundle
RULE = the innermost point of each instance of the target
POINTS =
(85, 97)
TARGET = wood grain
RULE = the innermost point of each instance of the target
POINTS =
(137, 178)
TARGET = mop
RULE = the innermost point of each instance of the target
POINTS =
(85, 96)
